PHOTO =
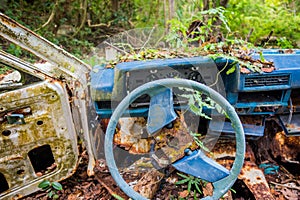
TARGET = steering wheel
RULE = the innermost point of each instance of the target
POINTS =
(220, 186)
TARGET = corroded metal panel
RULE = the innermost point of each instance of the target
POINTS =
(62, 66)
(255, 180)
(44, 146)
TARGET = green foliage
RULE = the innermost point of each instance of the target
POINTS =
(179, 35)
(51, 188)
(196, 137)
(197, 102)
(117, 197)
(4, 69)
(264, 16)
(14, 50)
(284, 43)
(192, 183)
(78, 25)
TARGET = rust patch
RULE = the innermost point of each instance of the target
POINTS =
(132, 135)
(286, 148)
(255, 180)
(149, 183)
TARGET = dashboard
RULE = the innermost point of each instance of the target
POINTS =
(139, 77)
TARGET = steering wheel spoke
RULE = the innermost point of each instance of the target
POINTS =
(197, 164)
(161, 111)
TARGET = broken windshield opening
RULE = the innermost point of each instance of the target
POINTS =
(11, 78)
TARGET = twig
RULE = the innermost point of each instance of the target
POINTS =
(97, 25)
(287, 173)
(264, 42)
(219, 72)
(83, 19)
(115, 47)
(89, 21)
(249, 34)
(51, 15)
(148, 38)
(286, 186)
(110, 191)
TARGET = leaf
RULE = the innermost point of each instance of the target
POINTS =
(183, 194)
(261, 57)
(231, 70)
(233, 190)
(182, 175)
(194, 109)
(182, 181)
(198, 189)
(117, 197)
(44, 184)
(57, 186)
(50, 194)
(189, 186)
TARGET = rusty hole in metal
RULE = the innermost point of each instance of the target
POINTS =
(39, 122)
(3, 183)
(2, 109)
(6, 132)
(41, 158)
(20, 171)
(53, 97)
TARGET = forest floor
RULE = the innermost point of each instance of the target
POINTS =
(282, 177)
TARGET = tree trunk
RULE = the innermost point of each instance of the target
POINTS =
(171, 8)
(114, 5)
(224, 3)
(165, 14)
(205, 4)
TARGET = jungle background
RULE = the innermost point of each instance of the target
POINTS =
(79, 25)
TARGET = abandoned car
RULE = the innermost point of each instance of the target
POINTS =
(156, 110)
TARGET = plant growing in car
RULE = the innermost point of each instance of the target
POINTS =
(192, 182)
(51, 188)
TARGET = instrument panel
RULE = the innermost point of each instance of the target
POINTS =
(139, 77)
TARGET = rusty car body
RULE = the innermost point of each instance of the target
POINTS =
(40, 121)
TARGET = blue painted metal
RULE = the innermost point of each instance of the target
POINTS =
(199, 165)
(265, 93)
(111, 85)
(290, 124)
(251, 94)
(226, 127)
(161, 111)
(102, 83)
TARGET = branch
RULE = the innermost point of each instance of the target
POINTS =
(118, 49)
(97, 25)
(149, 37)
(51, 15)
(286, 186)
(83, 18)
(249, 34)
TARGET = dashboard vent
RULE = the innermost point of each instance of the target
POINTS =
(272, 80)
